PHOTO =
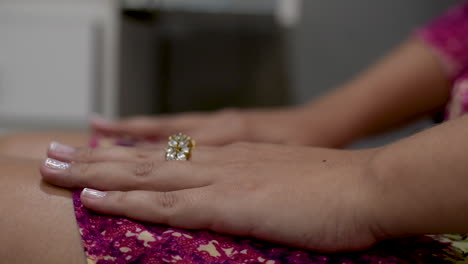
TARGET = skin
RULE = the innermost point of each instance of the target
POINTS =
(318, 199)
(376, 97)
(37, 223)
(386, 96)
(240, 189)
(423, 181)
(33, 145)
(34, 207)
(250, 182)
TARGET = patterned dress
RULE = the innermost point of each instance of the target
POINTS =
(119, 240)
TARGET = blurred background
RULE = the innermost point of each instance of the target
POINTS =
(61, 60)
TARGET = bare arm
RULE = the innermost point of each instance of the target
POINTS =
(405, 85)
(423, 182)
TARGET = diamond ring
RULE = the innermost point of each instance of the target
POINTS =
(179, 147)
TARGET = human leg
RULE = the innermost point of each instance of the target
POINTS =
(33, 145)
(37, 221)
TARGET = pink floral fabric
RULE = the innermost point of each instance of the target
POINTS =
(448, 38)
(119, 240)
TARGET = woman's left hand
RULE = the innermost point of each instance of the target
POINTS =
(318, 199)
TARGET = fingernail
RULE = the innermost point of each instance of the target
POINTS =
(61, 148)
(92, 194)
(56, 164)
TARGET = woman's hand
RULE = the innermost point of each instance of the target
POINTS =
(216, 128)
(312, 198)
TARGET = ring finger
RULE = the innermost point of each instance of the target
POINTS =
(108, 175)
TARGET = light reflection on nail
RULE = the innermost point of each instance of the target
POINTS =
(91, 193)
(56, 164)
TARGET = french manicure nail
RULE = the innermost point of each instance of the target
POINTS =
(56, 164)
(61, 148)
(93, 194)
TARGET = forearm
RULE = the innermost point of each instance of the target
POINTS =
(403, 86)
(422, 182)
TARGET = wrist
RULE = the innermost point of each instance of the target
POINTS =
(402, 206)
(379, 196)
(371, 204)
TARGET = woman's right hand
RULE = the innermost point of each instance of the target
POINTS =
(216, 128)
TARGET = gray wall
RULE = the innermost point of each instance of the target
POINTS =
(336, 39)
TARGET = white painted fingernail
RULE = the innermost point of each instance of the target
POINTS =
(61, 148)
(56, 164)
(93, 194)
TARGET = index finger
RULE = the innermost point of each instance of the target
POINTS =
(144, 126)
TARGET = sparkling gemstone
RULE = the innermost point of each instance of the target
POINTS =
(170, 150)
(181, 156)
(172, 143)
(184, 144)
(171, 156)
(185, 149)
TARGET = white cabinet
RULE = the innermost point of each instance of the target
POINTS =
(46, 69)
(287, 12)
(57, 61)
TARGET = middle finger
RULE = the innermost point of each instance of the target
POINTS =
(125, 154)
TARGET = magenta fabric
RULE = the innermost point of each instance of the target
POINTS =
(119, 240)
(109, 239)
(448, 38)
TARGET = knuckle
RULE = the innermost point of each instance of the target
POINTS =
(143, 169)
(84, 169)
(84, 154)
(121, 199)
(122, 203)
(80, 173)
(166, 204)
(167, 200)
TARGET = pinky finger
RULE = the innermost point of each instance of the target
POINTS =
(189, 208)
